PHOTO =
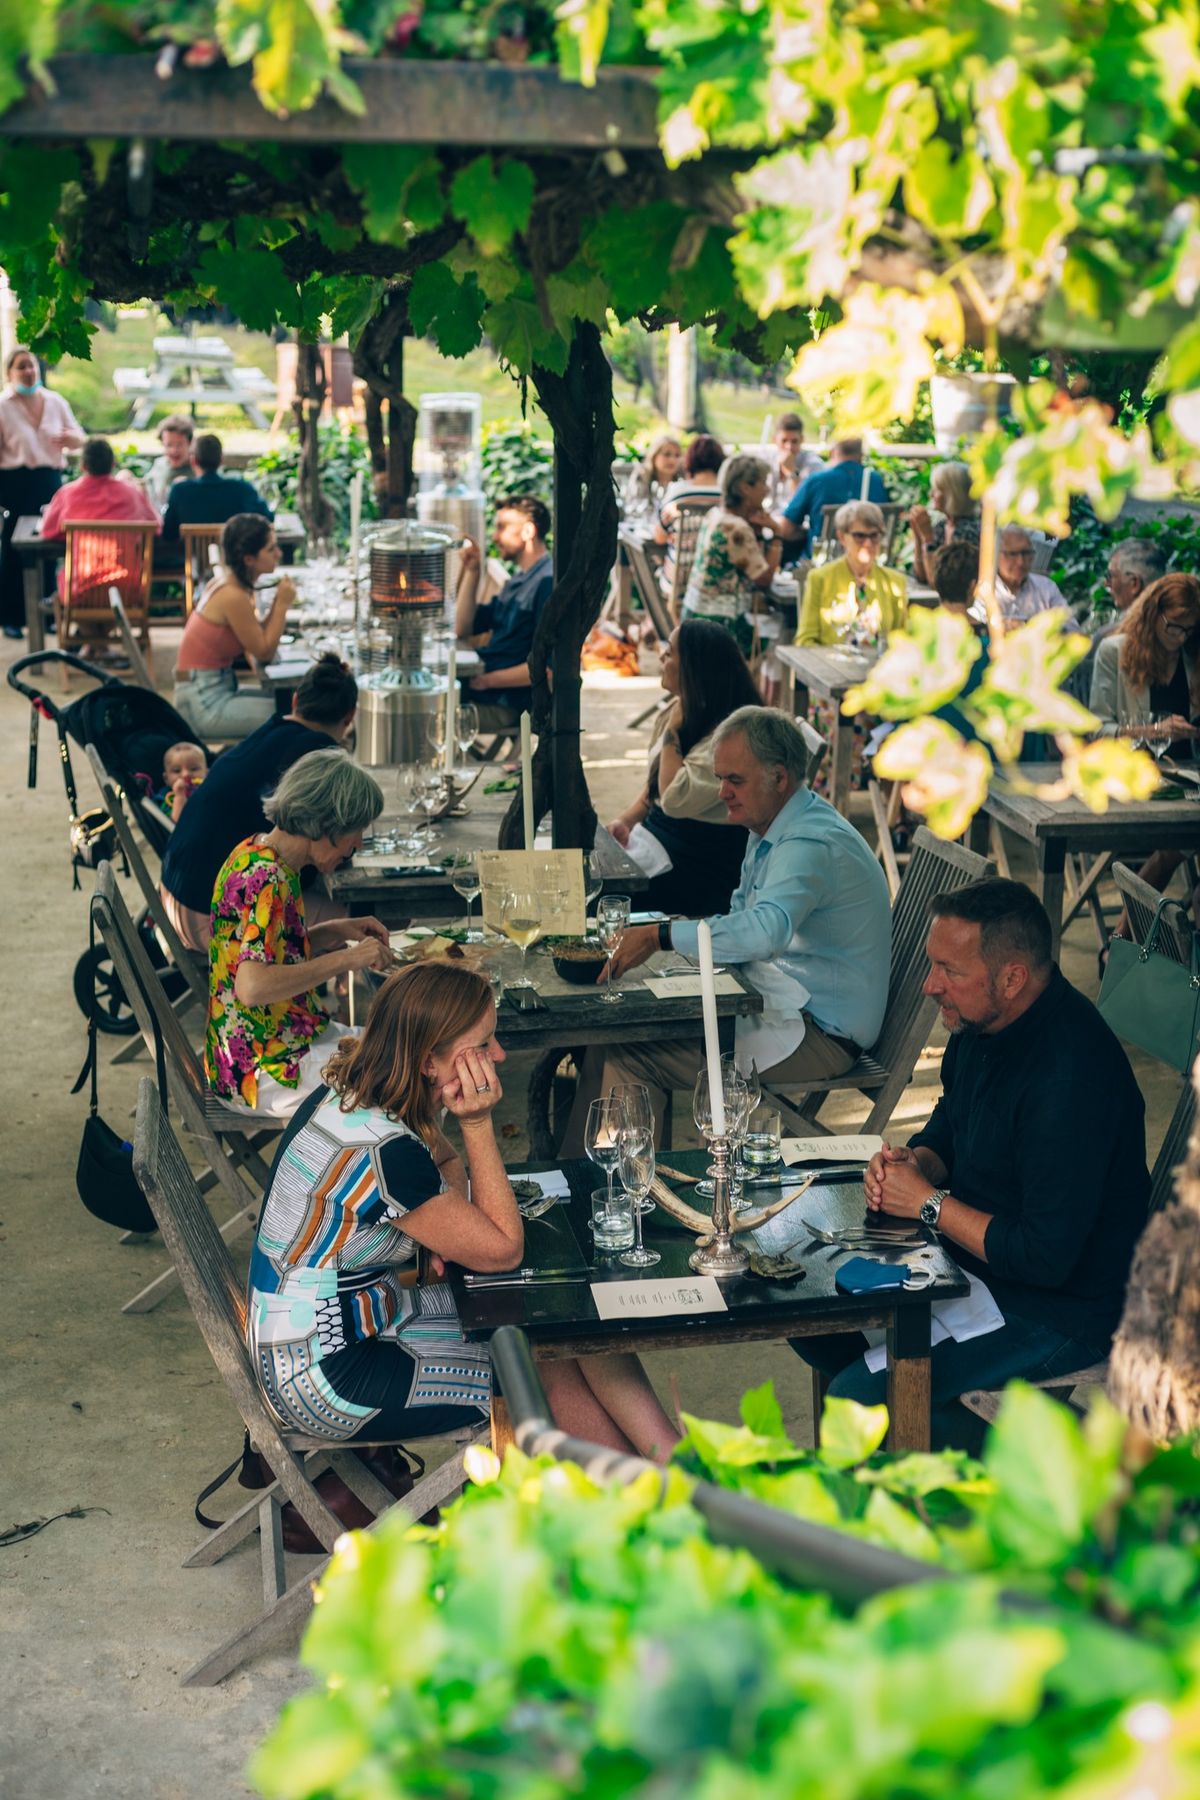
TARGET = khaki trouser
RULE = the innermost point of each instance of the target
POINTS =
(662, 1067)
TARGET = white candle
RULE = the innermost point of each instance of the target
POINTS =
(356, 498)
(712, 1043)
(527, 779)
(451, 709)
(864, 493)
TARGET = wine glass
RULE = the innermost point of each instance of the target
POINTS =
(521, 922)
(468, 727)
(430, 796)
(593, 881)
(635, 1160)
(601, 1140)
(633, 1097)
(612, 917)
(409, 801)
(435, 732)
(464, 879)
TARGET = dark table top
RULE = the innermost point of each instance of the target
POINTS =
(566, 1316)
(28, 542)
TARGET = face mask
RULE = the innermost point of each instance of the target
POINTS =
(20, 387)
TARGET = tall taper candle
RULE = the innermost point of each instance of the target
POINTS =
(527, 779)
(356, 500)
(864, 492)
(712, 1043)
(450, 754)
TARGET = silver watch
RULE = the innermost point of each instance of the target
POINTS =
(931, 1209)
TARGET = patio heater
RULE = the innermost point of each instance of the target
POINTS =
(407, 595)
(450, 467)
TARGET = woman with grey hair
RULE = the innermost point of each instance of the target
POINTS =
(730, 568)
(855, 596)
(950, 495)
(269, 1032)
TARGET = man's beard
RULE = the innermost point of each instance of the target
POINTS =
(976, 1027)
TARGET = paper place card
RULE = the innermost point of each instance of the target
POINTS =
(551, 1181)
(658, 1299)
(540, 872)
(829, 1150)
(687, 987)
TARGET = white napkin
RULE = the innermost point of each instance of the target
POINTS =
(552, 1182)
(646, 851)
(974, 1315)
(687, 987)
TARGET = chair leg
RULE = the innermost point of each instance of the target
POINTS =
(820, 1392)
(270, 1532)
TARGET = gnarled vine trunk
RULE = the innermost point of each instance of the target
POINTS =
(578, 404)
(314, 508)
(379, 361)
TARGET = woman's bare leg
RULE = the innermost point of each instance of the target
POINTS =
(575, 1408)
(622, 1387)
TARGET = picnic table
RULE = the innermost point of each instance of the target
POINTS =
(39, 554)
(1061, 828)
(829, 672)
(562, 1320)
(192, 372)
(397, 898)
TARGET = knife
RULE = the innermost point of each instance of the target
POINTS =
(523, 1277)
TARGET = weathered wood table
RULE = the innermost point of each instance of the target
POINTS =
(561, 1320)
(827, 672)
(1059, 828)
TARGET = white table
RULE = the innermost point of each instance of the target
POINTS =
(194, 371)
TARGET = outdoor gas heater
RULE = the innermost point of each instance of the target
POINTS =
(399, 695)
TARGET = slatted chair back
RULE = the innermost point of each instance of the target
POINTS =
(132, 648)
(1173, 1150)
(689, 516)
(1141, 901)
(192, 967)
(107, 553)
(646, 582)
(827, 546)
(198, 541)
(1045, 549)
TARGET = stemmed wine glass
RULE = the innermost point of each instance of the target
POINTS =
(633, 1098)
(593, 881)
(467, 727)
(635, 1161)
(435, 733)
(601, 1141)
(747, 1089)
(612, 917)
(521, 922)
(464, 879)
(733, 1090)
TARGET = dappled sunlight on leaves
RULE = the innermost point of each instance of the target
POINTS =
(1109, 769)
(923, 667)
(1020, 691)
(875, 360)
(945, 778)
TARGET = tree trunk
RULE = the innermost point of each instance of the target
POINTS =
(379, 361)
(578, 405)
(314, 508)
(1154, 1370)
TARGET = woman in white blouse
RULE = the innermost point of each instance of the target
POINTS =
(680, 805)
(37, 428)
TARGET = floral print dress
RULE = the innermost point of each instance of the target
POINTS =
(722, 588)
(257, 916)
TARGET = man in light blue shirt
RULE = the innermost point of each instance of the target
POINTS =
(840, 480)
(809, 924)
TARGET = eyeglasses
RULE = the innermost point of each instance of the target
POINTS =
(1017, 555)
(865, 537)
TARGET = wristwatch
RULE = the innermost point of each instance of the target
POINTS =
(931, 1209)
(664, 934)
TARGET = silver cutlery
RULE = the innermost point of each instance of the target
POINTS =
(862, 1234)
(533, 1209)
(525, 1277)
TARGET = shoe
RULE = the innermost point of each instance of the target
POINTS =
(385, 1462)
(14, 632)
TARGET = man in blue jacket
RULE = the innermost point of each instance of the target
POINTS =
(210, 498)
(841, 480)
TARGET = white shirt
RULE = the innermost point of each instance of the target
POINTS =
(1037, 593)
(26, 445)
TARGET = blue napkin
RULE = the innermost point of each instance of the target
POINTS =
(860, 1275)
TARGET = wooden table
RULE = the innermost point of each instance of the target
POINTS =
(398, 898)
(1059, 828)
(194, 371)
(562, 1320)
(39, 554)
(827, 672)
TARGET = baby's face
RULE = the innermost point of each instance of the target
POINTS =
(189, 761)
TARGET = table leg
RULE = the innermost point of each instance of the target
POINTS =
(502, 1430)
(909, 1395)
(1052, 862)
(35, 629)
(978, 837)
(841, 751)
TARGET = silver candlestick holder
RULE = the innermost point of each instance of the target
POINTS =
(719, 1255)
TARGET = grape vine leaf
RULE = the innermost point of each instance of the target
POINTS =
(296, 48)
(493, 202)
(252, 283)
(519, 336)
(28, 35)
(850, 1432)
(446, 309)
(396, 181)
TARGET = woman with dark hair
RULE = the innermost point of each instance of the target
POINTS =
(228, 808)
(342, 1345)
(37, 428)
(680, 806)
(225, 625)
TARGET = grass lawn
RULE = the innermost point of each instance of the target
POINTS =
(734, 414)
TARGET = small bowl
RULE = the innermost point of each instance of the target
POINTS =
(579, 963)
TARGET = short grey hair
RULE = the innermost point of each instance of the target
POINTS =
(850, 512)
(324, 795)
(1015, 531)
(1144, 557)
(775, 740)
(737, 473)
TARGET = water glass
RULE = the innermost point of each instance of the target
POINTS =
(612, 1217)
(764, 1138)
(612, 1221)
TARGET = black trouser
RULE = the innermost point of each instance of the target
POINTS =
(22, 492)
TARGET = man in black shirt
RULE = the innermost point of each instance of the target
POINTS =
(1032, 1166)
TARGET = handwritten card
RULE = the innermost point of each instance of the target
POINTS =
(545, 873)
(829, 1150)
(658, 1299)
(687, 987)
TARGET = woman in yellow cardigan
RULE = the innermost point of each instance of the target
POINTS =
(855, 598)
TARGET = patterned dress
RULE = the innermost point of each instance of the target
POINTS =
(722, 586)
(340, 1348)
(257, 916)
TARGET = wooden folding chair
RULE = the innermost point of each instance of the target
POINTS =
(198, 544)
(882, 1076)
(231, 1143)
(827, 548)
(1141, 901)
(1074, 1387)
(216, 1296)
(102, 555)
(689, 516)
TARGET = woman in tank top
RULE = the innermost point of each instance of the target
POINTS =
(223, 626)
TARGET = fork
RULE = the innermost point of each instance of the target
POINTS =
(860, 1234)
(533, 1209)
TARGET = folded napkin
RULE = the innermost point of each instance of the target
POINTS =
(972, 1316)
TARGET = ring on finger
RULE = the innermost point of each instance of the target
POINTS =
(482, 1090)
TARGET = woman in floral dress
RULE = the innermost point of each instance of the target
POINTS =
(731, 570)
(269, 1032)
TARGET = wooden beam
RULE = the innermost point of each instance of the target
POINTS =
(417, 102)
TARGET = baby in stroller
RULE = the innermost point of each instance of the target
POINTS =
(184, 767)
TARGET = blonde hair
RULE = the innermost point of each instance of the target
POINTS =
(660, 443)
(418, 1010)
(954, 480)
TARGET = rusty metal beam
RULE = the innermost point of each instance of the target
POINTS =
(457, 103)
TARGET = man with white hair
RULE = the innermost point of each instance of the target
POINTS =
(1132, 565)
(809, 923)
(1019, 591)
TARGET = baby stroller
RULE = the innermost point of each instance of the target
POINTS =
(131, 729)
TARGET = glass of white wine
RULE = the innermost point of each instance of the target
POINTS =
(521, 922)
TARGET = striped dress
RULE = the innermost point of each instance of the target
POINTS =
(340, 1348)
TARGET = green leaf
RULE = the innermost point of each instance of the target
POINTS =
(252, 283)
(295, 46)
(388, 176)
(28, 33)
(1050, 1481)
(952, 196)
(893, 1525)
(850, 1432)
(447, 310)
(520, 337)
(580, 33)
(494, 203)
(1108, 1668)
(761, 1411)
(316, 1743)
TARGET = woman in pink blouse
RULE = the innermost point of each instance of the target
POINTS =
(37, 428)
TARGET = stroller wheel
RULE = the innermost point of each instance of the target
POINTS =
(100, 996)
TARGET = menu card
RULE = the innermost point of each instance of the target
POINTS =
(543, 873)
(829, 1150)
(658, 1299)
